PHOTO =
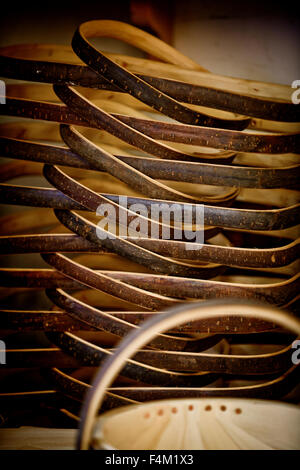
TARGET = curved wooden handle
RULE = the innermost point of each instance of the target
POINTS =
(167, 320)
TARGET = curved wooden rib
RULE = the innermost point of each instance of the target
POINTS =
(277, 293)
(142, 132)
(188, 172)
(262, 100)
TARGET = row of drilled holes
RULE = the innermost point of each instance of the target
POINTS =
(174, 410)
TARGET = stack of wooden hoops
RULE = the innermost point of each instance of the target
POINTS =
(167, 131)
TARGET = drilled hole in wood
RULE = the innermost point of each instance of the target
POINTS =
(147, 415)
(238, 411)
(160, 412)
(174, 410)
(223, 408)
(207, 408)
(191, 407)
